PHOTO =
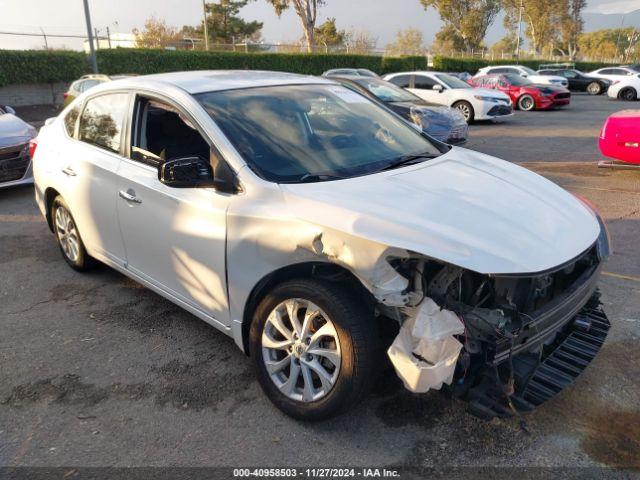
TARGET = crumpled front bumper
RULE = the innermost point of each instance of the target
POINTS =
(539, 377)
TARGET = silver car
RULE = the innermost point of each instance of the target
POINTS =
(15, 162)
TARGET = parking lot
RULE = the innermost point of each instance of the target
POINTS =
(97, 370)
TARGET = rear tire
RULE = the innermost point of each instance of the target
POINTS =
(629, 94)
(594, 88)
(466, 109)
(526, 103)
(287, 356)
(68, 237)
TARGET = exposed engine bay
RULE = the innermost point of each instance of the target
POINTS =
(524, 337)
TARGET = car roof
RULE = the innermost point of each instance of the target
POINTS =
(200, 81)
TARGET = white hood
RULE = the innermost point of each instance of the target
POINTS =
(464, 208)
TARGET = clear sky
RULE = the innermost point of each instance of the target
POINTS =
(382, 18)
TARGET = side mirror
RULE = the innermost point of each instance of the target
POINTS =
(10, 110)
(437, 88)
(186, 172)
(524, 75)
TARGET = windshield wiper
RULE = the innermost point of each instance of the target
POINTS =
(408, 160)
(318, 177)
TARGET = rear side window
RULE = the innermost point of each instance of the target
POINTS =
(70, 120)
(424, 83)
(86, 85)
(102, 121)
(402, 81)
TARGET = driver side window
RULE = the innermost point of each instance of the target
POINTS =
(162, 133)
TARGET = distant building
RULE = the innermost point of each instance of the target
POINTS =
(124, 40)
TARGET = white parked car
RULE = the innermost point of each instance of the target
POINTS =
(312, 224)
(626, 88)
(445, 89)
(525, 72)
(613, 73)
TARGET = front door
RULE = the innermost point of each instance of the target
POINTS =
(174, 237)
(423, 87)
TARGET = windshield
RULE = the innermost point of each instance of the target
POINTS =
(297, 133)
(517, 80)
(528, 71)
(386, 91)
(451, 81)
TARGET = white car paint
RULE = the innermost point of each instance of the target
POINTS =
(450, 96)
(526, 73)
(613, 73)
(206, 250)
(632, 81)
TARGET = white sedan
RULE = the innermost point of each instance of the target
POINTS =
(445, 89)
(626, 88)
(613, 73)
(311, 224)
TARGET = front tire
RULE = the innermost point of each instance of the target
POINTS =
(526, 103)
(466, 109)
(628, 94)
(594, 88)
(312, 343)
(68, 237)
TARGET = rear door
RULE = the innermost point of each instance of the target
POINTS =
(174, 237)
(88, 168)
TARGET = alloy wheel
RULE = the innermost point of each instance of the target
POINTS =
(67, 234)
(301, 350)
(526, 103)
(593, 88)
(628, 94)
(465, 110)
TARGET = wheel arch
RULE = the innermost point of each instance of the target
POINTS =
(310, 269)
(49, 196)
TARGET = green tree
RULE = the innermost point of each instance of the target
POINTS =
(506, 44)
(155, 34)
(407, 42)
(609, 43)
(571, 25)
(307, 11)
(542, 19)
(447, 41)
(224, 25)
(470, 19)
(328, 34)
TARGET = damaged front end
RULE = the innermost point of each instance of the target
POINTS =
(505, 343)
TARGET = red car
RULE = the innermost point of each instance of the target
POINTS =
(620, 136)
(525, 94)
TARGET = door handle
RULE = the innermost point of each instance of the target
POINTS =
(68, 171)
(129, 197)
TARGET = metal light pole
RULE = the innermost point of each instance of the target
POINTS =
(46, 44)
(206, 33)
(519, 30)
(618, 40)
(87, 16)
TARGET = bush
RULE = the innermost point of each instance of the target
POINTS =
(34, 66)
(472, 65)
(154, 61)
(41, 66)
